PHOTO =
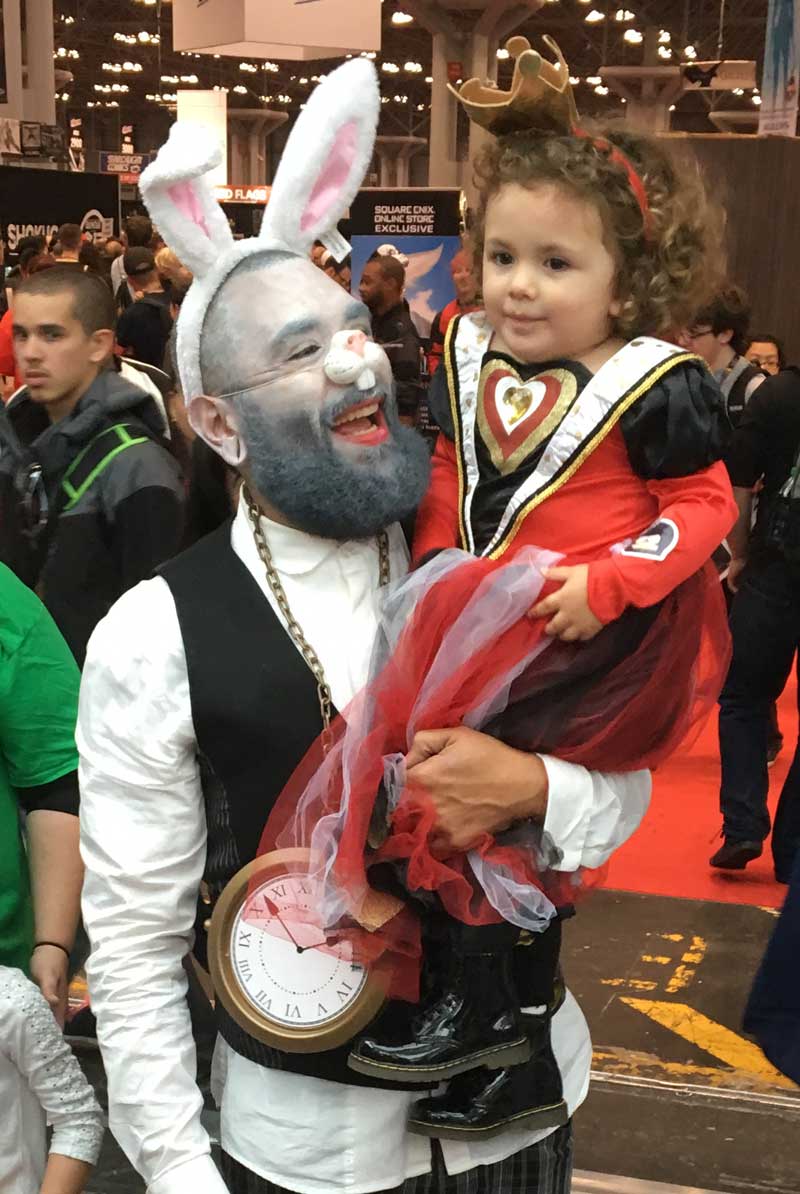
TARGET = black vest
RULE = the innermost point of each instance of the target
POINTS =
(256, 713)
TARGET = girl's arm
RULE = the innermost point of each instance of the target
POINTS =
(695, 513)
(437, 520)
(65, 1175)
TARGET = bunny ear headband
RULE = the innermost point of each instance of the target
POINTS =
(322, 168)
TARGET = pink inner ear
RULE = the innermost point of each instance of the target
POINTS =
(187, 203)
(332, 176)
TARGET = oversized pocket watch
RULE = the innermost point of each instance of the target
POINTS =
(271, 969)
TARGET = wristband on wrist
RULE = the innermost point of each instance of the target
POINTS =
(55, 945)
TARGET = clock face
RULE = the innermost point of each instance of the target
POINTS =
(278, 969)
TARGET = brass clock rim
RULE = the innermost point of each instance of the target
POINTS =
(337, 1031)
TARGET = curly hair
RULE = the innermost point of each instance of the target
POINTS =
(662, 280)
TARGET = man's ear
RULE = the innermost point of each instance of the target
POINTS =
(215, 421)
(726, 336)
(101, 346)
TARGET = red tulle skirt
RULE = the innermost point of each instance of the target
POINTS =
(455, 648)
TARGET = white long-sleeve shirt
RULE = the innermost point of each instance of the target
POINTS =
(144, 840)
(40, 1083)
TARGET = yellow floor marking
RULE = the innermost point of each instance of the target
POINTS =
(659, 960)
(611, 1060)
(713, 1038)
(681, 978)
(635, 984)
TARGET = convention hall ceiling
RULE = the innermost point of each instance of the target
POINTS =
(120, 55)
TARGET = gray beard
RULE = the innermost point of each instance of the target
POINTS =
(319, 492)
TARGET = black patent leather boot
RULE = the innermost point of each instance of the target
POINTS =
(470, 1019)
(485, 1102)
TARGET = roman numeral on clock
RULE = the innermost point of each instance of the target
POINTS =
(321, 1009)
(244, 938)
(292, 1012)
(344, 991)
(263, 1000)
(245, 969)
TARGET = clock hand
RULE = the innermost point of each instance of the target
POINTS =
(274, 911)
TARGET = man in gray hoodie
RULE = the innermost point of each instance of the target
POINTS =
(91, 500)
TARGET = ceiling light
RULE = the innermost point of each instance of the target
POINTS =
(574, 80)
(272, 67)
(248, 66)
(401, 99)
(390, 68)
(624, 14)
(413, 68)
(593, 80)
(756, 100)
(503, 53)
(402, 18)
(633, 37)
(601, 90)
(594, 16)
(672, 107)
(369, 54)
(240, 90)
(664, 52)
(690, 52)
(664, 37)
(429, 78)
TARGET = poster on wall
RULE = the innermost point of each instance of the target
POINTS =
(3, 76)
(30, 135)
(33, 206)
(423, 226)
(779, 85)
(9, 137)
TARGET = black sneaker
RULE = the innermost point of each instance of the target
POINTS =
(734, 856)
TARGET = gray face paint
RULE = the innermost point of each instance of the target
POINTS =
(266, 347)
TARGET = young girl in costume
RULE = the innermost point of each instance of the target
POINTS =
(569, 437)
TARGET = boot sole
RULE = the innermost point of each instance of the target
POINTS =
(543, 1117)
(493, 1059)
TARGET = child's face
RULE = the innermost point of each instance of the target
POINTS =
(548, 278)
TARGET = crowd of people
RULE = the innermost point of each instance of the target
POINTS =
(205, 466)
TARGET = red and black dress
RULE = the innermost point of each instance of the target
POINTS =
(535, 464)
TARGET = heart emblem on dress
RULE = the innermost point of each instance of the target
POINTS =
(514, 416)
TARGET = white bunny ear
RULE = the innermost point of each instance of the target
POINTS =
(326, 157)
(180, 199)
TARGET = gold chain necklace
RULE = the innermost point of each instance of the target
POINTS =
(293, 626)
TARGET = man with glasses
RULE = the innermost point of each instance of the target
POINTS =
(766, 353)
(90, 499)
(718, 333)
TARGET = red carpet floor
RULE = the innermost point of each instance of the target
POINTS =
(669, 853)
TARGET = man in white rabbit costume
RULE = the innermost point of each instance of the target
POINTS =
(201, 694)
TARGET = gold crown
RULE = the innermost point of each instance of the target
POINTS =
(540, 97)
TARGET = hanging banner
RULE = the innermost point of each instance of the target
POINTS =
(779, 87)
(423, 226)
(302, 30)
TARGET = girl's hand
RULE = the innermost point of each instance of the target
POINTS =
(572, 619)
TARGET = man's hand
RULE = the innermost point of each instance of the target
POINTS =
(735, 570)
(477, 784)
(572, 618)
(49, 972)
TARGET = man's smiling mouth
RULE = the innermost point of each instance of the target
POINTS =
(363, 424)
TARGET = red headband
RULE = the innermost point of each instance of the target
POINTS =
(616, 156)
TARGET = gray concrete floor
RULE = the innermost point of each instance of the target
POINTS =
(696, 1107)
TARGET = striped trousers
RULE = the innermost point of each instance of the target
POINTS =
(544, 1168)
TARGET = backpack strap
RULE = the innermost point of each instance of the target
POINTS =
(95, 459)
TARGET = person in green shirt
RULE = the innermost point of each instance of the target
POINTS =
(39, 887)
